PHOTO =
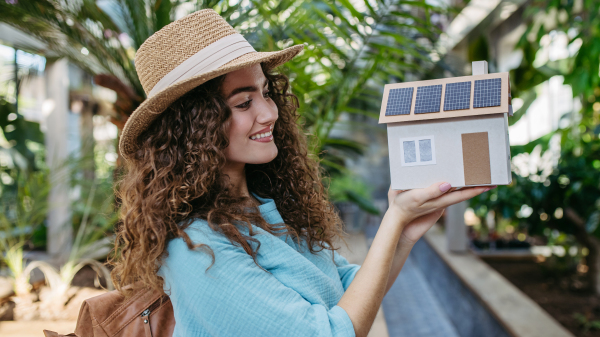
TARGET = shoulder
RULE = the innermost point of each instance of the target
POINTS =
(207, 245)
(200, 234)
(209, 250)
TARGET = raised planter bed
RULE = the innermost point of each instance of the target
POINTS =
(477, 299)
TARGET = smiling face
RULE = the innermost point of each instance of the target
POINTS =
(253, 116)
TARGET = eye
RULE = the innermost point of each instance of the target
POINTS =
(244, 105)
(267, 94)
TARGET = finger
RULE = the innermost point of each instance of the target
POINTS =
(433, 191)
(459, 196)
(438, 213)
(432, 216)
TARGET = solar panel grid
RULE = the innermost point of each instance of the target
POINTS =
(487, 93)
(399, 101)
(457, 96)
(429, 99)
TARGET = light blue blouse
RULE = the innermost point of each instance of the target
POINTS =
(298, 295)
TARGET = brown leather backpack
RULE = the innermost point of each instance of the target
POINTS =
(144, 314)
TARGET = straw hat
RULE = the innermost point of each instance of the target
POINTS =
(182, 56)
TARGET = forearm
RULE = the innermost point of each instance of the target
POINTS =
(402, 250)
(364, 295)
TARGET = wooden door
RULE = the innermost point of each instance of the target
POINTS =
(476, 158)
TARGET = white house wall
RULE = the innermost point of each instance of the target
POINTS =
(448, 150)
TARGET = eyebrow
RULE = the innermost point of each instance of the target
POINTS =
(245, 89)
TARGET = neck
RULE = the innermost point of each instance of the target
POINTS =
(237, 178)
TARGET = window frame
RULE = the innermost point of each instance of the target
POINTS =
(418, 151)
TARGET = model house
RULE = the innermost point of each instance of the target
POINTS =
(453, 129)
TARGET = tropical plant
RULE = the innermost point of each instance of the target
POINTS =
(24, 204)
(24, 211)
(24, 193)
(89, 244)
(18, 132)
(567, 197)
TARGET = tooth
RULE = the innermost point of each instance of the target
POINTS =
(253, 137)
(269, 133)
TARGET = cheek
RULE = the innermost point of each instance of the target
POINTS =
(239, 127)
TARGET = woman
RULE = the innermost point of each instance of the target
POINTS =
(224, 209)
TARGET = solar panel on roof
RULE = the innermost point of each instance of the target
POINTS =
(399, 102)
(487, 93)
(457, 96)
(429, 99)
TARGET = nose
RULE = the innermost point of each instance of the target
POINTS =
(267, 111)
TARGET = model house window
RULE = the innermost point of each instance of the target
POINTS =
(417, 151)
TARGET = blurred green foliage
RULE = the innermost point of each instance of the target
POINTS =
(567, 198)
(585, 323)
(350, 188)
(18, 132)
(24, 184)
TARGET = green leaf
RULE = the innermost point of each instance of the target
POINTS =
(162, 11)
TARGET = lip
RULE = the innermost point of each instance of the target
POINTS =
(263, 140)
(268, 128)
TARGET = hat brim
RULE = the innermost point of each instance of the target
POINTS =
(153, 106)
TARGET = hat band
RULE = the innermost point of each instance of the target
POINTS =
(208, 59)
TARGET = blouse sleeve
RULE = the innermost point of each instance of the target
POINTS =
(346, 270)
(237, 298)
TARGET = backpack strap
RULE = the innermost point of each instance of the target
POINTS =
(48, 333)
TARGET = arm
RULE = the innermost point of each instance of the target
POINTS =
(410, 235)
(400, 256)
(412, 211)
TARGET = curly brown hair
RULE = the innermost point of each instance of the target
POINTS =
(175, 176)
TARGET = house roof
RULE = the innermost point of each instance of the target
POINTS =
(445, 98)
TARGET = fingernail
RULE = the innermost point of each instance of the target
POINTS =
(490, 188)
(444, 187)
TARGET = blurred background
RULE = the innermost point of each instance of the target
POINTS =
(528, 258)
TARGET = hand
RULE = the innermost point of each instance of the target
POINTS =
(415, 229)
(420, 209)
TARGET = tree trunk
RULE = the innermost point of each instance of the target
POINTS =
(591, 243)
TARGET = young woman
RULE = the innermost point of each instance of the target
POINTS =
(223, 208)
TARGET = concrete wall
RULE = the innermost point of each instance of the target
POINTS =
(468, 316)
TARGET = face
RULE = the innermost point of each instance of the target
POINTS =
(253, 116)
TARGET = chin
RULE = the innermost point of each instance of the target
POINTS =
(262, 157)
(267, 157)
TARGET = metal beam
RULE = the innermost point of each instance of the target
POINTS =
(17, 39)
(477, 12)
